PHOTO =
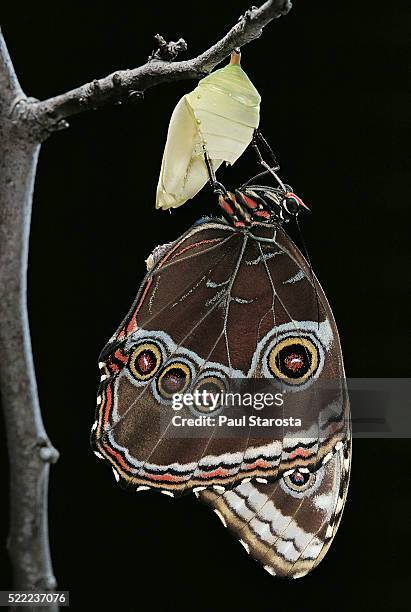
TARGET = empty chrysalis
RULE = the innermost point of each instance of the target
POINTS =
(217, 118)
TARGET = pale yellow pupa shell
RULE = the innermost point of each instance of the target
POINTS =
(219, 116)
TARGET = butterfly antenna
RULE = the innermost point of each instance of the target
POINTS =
(258, 136)
(306, 255)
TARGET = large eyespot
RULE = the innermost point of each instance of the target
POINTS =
(299, 481)
(175, 378)
(145, 361)
(208, 393)
(293, 359)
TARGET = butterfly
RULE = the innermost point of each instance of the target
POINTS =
(233, 301)
(231, 305)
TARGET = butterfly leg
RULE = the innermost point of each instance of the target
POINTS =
(258, 137)
(217, 187)
(231, 210)
(269, 169)
(290, 201)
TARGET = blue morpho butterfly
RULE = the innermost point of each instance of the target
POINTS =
(232, 299)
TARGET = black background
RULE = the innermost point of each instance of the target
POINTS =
(333, 79)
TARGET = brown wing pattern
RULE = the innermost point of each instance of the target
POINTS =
(287, 529)
(219, 304)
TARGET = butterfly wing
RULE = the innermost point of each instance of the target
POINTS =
(224, 304)
(287, 528)
(168, 339)
(288, 525)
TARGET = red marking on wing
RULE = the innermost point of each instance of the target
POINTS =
(132, 325)
(218, 472)
(300, 452)
(117, 456)
(258, 463)
(107, 407)
(120, 356)
(196, 244)
(112, 367)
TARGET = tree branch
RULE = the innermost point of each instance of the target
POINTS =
(30, 451)
(9, 84)
(51, 114)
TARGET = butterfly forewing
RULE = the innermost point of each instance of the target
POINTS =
(219, 305)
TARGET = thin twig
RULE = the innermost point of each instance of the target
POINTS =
(117, 86)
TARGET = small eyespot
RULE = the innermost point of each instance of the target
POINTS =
(209, 388)
(299, 481)
(293, 360)
(175, 378)
(145, 361)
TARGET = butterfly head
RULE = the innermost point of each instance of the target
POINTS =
(292, 204)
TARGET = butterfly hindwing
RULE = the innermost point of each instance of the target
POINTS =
(285, 527)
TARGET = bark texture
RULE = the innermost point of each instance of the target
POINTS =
(30, 451)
